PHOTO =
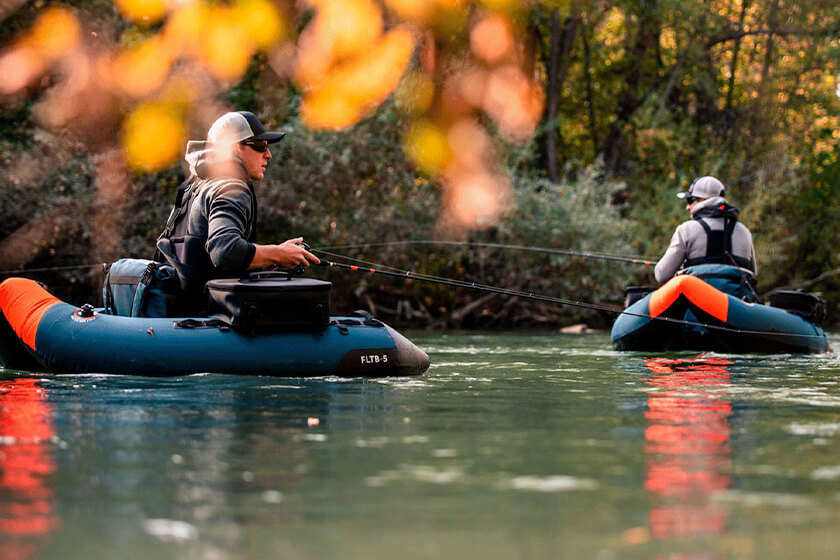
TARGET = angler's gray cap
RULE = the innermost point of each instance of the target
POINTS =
(704, 187)
(237, 126)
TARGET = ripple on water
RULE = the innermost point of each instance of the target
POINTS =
(818, 429)
(761, 499)
(416, 473)
(170, 530)
(831, 472)
(553, 483)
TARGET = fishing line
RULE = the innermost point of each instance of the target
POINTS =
(50, 268)
(549, 250)
(409, 275)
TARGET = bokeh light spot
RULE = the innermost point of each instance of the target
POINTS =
(360, 84)
(19, 66)
(152, 136)
(420, 11)
(491, 38)
(261, 19)
(55, 32)
(226, 45)
(329, 108)
(142, 11)
(476, 200)
(339, 31)
(184, 29)
(142, 70)
(427, 146)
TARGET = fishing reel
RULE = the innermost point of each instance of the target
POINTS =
(273, 269)
(300, 269)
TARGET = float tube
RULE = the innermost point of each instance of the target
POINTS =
(689, 313)
(42, 333)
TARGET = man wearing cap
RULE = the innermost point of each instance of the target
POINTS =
(211, 231)
(713, 235)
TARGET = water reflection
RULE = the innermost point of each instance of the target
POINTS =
(216, 449)
(27, 499)
(687, 446)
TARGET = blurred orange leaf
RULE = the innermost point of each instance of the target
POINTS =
(142, 11)
(359, 84)
(262, 20)
(142, 70)
(56, 32)
(226, 46)
(339, 30)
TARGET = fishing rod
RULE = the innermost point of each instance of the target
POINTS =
(549, 250)
(408, 275)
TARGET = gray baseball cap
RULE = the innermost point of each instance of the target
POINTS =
(237, 126)
(704, 187)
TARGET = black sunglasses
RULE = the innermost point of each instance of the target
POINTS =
(691, 199)
(256, 145)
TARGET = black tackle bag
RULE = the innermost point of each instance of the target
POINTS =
(274, 301)
(807, 305)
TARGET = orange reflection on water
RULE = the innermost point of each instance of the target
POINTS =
(687, 446)
(26, 498)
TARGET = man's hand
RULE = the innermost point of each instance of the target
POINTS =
(288, 254)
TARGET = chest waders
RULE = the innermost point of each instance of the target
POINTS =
(719, 246)
(185, 251)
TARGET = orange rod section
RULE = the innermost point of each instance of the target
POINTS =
(24, 303)
(704, 296)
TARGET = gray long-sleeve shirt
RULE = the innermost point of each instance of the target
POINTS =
(689, 242)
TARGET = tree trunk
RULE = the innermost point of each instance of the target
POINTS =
(590, 94)
(640, 79)
(758, 126)
(728, 110)
(552, 99)
(560, 49)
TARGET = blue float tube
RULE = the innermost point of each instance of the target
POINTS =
(61, 338)
(687, 313)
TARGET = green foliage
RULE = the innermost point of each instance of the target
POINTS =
(581, 214)
(15, 129)
(244, 95)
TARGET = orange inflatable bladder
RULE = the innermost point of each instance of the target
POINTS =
(24, 303)
(706, 297)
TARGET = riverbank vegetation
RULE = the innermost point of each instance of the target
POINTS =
(577, 134)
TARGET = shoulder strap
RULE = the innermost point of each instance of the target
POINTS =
(179, 204)
(719, 244)
(180, 209)
(716, 244)
(107, 294)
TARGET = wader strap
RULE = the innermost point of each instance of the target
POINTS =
(718, 246)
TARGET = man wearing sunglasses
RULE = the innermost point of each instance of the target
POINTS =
(713, 235)
(211, 232)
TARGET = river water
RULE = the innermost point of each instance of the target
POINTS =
(523, 446)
